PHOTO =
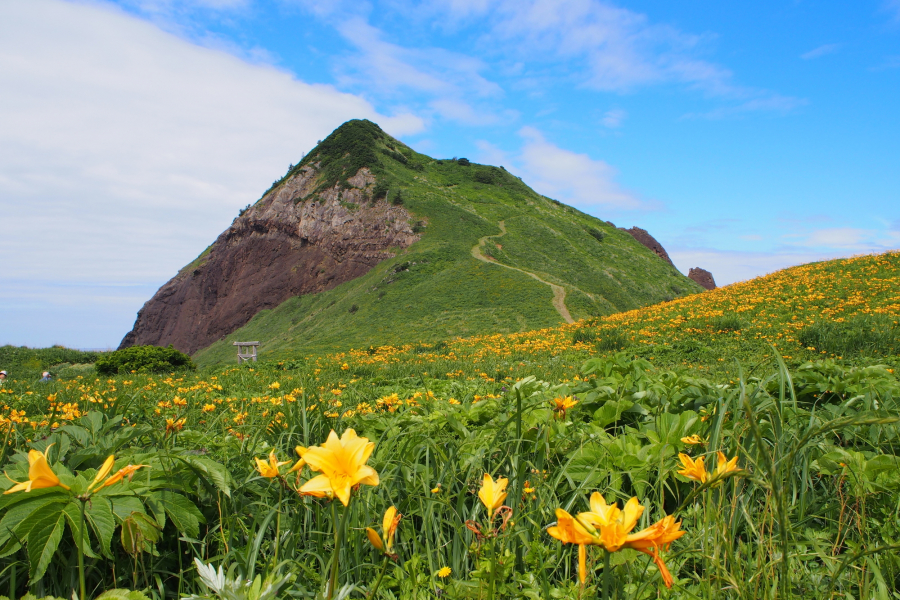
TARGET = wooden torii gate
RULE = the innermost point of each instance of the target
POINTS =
(246, 351)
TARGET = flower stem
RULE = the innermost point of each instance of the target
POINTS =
(493, 569)
(82, 595)
(374, 590)
(332, 582)
(607, 575)
(278, 522)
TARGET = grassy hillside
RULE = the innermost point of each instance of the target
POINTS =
(437, 289)
(845, 310)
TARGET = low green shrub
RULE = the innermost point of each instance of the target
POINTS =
(584, 336)
(144, 359)
(612, 340)
(727, 323)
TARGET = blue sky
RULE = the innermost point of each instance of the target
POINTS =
(745, 137)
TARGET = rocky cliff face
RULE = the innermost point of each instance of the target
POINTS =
(296, 240)
(649, 241)
(703, 277)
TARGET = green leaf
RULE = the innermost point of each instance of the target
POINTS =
(79, 434)
(20, 518)
(100, 516)
(123, 506)
(212, 470)
(93, 421)
(73, 515)
(121, 594)
(185, 516)
(43, 540)
(156, 507)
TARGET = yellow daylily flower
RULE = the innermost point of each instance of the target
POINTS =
(568, 530)
(692, 440)
(562, 404)
(613, 524)
(269, 470)
(724, 465)
(658, 536)
(693, 469)
(607, 526)
(388, 529)
(103, 472)
(40, 475)
(342, 462)
(492, 493)
(300, 450)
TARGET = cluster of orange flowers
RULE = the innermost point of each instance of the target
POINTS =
(609, 527)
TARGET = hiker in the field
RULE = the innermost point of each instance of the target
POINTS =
(45, 377)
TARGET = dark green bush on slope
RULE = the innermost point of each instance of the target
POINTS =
(144, 359)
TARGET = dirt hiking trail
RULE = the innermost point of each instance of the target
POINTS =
(559, 292)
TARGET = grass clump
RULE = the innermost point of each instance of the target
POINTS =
(870, 335)
(22, 362)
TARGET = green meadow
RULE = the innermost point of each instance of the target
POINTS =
(793, 374)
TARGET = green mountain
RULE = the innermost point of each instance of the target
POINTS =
(367, 242)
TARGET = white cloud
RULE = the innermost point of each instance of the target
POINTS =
(385, 69)
(617, 49)
(125, 150)
(729, 267)
(570, 177)
(774, 103)
(614, 118)
(820, 51)
(489, 154)
(850, 239)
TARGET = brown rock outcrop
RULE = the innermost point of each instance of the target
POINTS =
(702, 277)
(291, 242)
(649, 241)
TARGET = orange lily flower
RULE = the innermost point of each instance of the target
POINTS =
(126, 471)
(658, 536)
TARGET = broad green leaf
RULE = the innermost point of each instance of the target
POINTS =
(73, 515)
(42, 543)
(100, 516)
(79, 434)
(121, 594)
(123, 506)
(212, 470)
(157, 509)
(19, 519)
(93, 421)
(182, 511)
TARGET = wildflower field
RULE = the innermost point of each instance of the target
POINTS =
(740, 443)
